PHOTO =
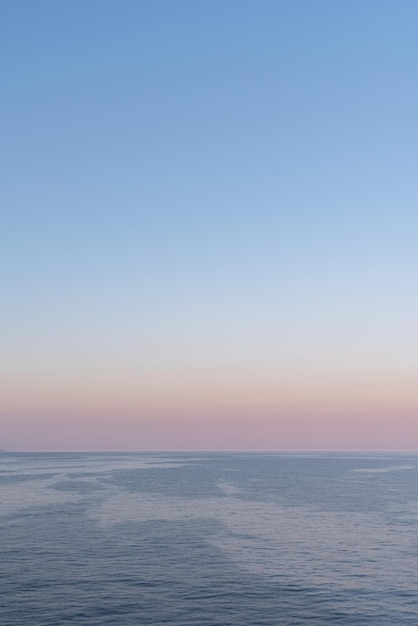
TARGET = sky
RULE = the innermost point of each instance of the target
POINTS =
(209, 225)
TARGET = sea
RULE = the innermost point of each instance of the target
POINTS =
(205, 539)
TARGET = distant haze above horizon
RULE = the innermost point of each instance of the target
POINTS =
(209, 225)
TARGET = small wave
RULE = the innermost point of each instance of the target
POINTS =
(228, 487)
(383, 470)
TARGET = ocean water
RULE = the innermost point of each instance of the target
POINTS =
(208, 539)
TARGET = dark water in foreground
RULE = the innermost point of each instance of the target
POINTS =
(208, 539)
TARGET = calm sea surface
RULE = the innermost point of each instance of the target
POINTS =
(208, 539)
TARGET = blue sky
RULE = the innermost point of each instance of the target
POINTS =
(208, 185)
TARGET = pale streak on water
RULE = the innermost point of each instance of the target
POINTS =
(208, 539)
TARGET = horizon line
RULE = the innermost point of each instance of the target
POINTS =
(222, 451)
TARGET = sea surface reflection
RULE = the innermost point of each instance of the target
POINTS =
(210, 539)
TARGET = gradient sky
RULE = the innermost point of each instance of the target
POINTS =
(209, 224)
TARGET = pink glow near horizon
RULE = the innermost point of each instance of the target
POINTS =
(321, 411)
(232, 431)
